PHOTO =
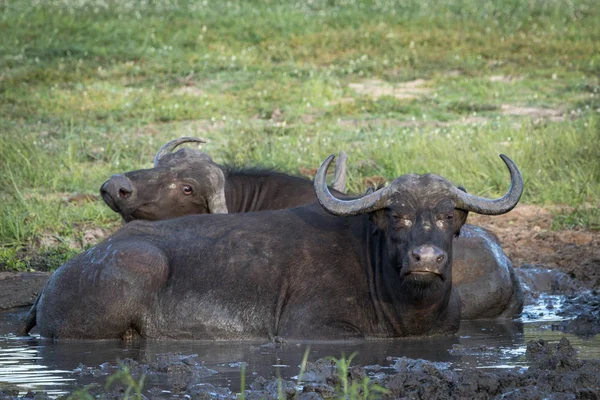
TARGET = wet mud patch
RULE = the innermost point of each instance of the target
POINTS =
(554, 371)
(583, 314)
(19, 289)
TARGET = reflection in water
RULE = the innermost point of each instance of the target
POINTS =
(19, 368)
(55, 367)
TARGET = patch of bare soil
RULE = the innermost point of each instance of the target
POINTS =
(192, 91)
(189, 128)
(376, 88)
(394, 123)
(84, 238)
(64, 197)
(504, 78)
(527, 238)
(532, 112)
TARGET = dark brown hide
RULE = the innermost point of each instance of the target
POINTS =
(158, 193)
(299, 274)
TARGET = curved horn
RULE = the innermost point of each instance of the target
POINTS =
(371, 202)
(502, 205)
(339, 176)
(169, 147)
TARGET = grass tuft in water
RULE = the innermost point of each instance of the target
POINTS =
(352, 388)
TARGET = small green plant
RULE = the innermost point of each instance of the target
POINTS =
(242, 394)
(10, 260)
(353, 389)
(303, 364)
(581, 217)
(123, 376)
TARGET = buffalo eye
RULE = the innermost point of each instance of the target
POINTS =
(403, 221)
(187, 190)
(442, 220)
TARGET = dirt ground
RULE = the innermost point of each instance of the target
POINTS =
(527, 238)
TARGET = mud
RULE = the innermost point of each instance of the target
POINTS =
(555, 372)
(18, 289)
(585, 308)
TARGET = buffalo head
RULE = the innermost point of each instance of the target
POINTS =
(416, 217)
(184, 182)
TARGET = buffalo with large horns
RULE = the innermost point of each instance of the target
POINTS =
(379, 266)
(189, 182)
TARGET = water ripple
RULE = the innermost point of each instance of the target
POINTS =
(20, 368)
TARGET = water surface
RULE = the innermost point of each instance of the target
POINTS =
(54, 366)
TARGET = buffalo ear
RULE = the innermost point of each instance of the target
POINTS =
(380, 219)
(216, 197)
(217, 203)
(460, 216)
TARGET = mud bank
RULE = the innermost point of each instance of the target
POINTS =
(555, 372)
(19, 289)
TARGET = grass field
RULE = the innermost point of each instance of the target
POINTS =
(89, 88)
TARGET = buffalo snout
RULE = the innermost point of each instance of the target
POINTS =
(116, 190)
(426, 259)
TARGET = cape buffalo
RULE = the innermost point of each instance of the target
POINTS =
(482, 273)
(190, 182)
(379, 266)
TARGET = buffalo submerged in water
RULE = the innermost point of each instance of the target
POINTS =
(379, 266)
(187, 182)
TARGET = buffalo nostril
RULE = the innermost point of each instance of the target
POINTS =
(124, 193)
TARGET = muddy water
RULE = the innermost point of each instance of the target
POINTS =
(59, 367)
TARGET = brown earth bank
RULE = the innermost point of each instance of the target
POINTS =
(18, 289)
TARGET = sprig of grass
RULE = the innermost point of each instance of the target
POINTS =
(354, 390)
(123, 376)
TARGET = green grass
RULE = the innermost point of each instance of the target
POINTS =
(355, 389)
(91, 88)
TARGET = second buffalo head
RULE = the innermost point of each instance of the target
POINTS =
(183, 182)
